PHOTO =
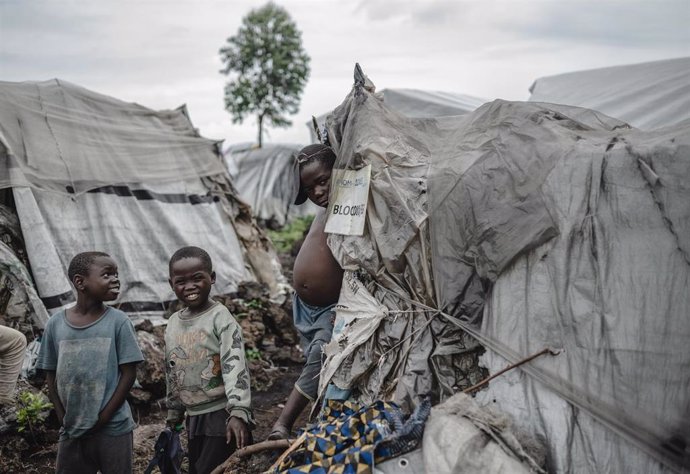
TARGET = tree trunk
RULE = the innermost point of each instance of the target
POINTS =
(261, 128)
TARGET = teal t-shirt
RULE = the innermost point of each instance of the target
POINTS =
(86, 362)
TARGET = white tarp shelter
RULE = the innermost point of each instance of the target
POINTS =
(266, 178)
(647, 95)
(417, 103)
(522, 226)
(90, 172)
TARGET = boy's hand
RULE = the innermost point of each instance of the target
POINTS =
(102, 420)
(237, 429)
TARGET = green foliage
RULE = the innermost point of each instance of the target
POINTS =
(34, 409)
(267, 68)
(252, 354)
(284, 239)
(254, 304)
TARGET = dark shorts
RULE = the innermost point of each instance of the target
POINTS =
(315, 325)
(207, 448)
(99, 452)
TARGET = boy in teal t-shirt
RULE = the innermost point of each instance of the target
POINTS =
(89, 353)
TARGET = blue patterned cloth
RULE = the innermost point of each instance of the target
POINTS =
(351, 439)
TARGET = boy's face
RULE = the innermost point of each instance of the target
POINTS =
(102, 281)
(191, 282)
(315, 178)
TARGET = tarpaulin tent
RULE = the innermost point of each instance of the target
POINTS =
(266, 178)
(647, 95)
(417, 103)
(88, 171)
(517, 227)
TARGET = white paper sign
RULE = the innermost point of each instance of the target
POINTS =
(347, 203)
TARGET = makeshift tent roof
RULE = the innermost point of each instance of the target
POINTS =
(522, 227)
(648, 95)
(418, 103)
(90, 172)
(266, 178)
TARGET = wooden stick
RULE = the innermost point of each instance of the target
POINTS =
(510, 367)
(272, 444)
(253, 449)
(294, 446)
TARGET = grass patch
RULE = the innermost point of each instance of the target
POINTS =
(252, 354)
(284, 238)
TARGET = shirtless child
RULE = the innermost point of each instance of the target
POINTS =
(316, 278)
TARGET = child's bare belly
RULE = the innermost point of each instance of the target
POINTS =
(316, 275)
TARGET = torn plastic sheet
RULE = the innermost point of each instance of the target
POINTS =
(535, 226)
(358, 315)
(461, 437)
(23, 309)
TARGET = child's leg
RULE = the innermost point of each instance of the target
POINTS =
(114, 453)
(305, 391)
(294, 405)
(73, 456)
(207, 452)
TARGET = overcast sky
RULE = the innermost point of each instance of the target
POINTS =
(164, 53)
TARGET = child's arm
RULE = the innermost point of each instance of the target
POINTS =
(175, 407)
(128, 373)
(53, 396)
(236, 381)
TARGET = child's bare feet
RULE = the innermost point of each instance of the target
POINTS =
(279, 432)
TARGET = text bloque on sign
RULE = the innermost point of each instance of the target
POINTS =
(347, 204)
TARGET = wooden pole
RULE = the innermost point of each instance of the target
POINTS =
(274, 444)
(510, 367)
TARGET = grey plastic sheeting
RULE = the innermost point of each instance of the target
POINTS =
(535, 226)
(57, 227)
(462, 438)
(55, 135)
(647, 95)
(417, 103)
(266, 178)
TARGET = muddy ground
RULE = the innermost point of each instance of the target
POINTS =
(22, 454)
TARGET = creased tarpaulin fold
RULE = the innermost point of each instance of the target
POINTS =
(535, 225)
(57, 136)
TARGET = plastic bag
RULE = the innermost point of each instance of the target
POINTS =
(168, 454)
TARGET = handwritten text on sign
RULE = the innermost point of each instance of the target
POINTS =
(347, 204)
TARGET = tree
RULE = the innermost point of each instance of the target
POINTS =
(267, 67)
